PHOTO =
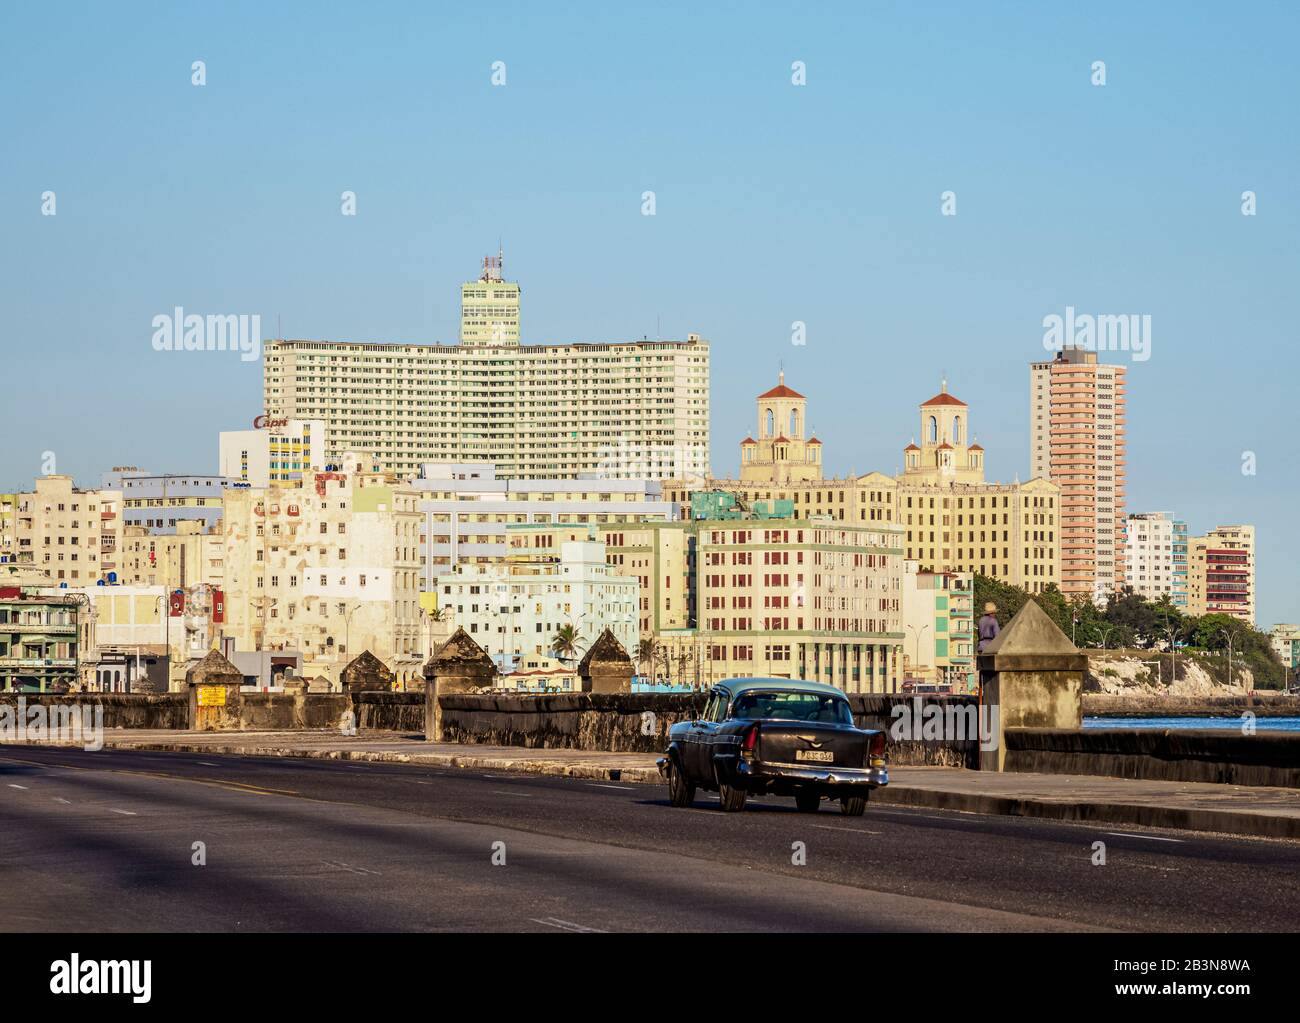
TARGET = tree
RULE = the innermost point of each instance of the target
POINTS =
(645, 654)
(565, 642)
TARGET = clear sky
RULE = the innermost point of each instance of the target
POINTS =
(775, 203)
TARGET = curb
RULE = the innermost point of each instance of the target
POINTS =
(1227, 822)
(587, 771)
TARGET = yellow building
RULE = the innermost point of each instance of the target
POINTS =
(328, 569)
(191, 556)
(780, 453)
(952, 519)
(66, 534)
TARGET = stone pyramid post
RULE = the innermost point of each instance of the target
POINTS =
(458, 666)
(366, 673)
(213, 686)
(1031, 676)
(606, 667)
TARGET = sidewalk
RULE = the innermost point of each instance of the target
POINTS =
(1193, 806)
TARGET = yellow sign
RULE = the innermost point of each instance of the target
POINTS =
(212, 696)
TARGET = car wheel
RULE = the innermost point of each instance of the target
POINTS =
(853, 806)
(808, 800)
(680, 791)
(730, 798)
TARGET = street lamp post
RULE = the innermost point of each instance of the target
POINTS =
(916, 657)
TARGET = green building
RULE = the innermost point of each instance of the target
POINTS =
(38, 641)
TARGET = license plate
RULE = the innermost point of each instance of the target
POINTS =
(821, 756)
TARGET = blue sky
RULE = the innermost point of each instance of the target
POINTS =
(775, 203)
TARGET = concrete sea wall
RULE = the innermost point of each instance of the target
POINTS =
(1194, 756)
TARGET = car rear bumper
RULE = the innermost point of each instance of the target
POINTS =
(833, 777)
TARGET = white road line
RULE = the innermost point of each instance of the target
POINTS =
(204, 763)
(565, 925)
(345, 866)
(852, 831)
(512, 792)
(125, 813)
(1149, 838)
(621, 788)
(65, 802)
(13, 786)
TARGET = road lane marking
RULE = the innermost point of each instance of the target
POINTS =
(65, 802)
(124, 813)
(621, 788)
(511, 792)
(351, 869)
(13, 786)
(204, 763)
(1149, 838)
(565, 925)
(852, 831)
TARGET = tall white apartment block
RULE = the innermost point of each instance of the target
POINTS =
(1155, 557)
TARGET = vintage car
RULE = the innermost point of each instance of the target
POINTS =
(775, 735)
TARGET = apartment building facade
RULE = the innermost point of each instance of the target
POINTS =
(160, 502)
(514, 610)
(1155, 557)
(939, 621)
(39, 640)
(1221, 573)
(329, 569)
(627, 411)
(776, 596)
(467, 507)
(1077, 440)
(65, 534)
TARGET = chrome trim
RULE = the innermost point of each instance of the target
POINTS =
(862, 777)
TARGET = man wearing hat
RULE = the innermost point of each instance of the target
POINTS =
(988, 625)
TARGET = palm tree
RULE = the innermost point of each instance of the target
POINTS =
(645, 652)
(565, 642)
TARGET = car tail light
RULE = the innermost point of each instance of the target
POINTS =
(750, 743)
(876, 750)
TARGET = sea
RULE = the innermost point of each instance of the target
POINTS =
(1262, 724)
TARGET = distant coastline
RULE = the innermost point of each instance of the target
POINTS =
(1129, 706)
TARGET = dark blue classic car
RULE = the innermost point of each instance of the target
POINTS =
(775, 735)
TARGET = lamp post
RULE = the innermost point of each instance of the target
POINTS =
(916, 657)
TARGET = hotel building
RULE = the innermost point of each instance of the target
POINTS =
(637, 410)
(953, 520)
(489, 307)
(1155, 557)
(1077, 430)
(1221, 573)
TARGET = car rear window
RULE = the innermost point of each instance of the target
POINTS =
(794, 707)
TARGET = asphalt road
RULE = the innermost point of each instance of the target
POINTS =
(106, 842)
